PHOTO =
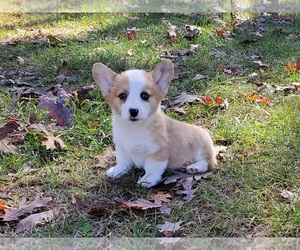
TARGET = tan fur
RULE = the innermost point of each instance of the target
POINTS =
(178, 142)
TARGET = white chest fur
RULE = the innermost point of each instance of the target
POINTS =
(134, 139)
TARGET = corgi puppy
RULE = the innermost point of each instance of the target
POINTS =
(143, 135)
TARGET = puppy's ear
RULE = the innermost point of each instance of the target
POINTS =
(163, 74)
(103, 77)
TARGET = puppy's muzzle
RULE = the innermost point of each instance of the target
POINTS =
(133, 113)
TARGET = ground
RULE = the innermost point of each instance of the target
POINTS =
(244, 71)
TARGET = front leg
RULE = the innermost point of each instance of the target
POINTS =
(153, 172)
(124, 164)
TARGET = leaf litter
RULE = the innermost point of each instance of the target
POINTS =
(57, 108)
(28, 215)
(170, 229)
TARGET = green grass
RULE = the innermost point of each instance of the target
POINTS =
(242, 198)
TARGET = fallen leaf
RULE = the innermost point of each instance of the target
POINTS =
(51, 139)
(131, 34)
(191, 32)
(186, 52)
(80, 205)
(20, 60)
(10, 126)
(178, 175)
(27, 166)
(106, 159)
(3, 206)
(261, 64)
(222, 103)
(290, 196)
(229, 69)
(218, 53)
(207, 99)
(130, 52)
(82, 93)
(138, 204)
(62, 72)
(160, 196)
(53, 40)
(287, 20)
(5, 147)
(257, 98)
(291, 88)
(263, 100)
(172, 31)
(89, 209)
(32, 220)
(291, 67)
(13, 214)
(219, 100)
(188, 191)
(199, 77)
(223, 32)
(169, 229)
(178, 74)
(33, 118)
(185, 98)
(298, 63)
(219, 32)
(57, 108)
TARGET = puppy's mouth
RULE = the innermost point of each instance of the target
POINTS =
(133, 119)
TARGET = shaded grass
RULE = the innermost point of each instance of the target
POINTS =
(241, 199)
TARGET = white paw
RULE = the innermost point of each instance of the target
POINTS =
(148, 181)
(197, 167)
(113, 173)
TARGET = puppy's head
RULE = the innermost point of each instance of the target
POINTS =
(134, 94)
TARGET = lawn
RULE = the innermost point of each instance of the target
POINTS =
(244, 70)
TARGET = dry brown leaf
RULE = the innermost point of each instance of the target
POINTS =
(185, 98)
(3, 206)
(188, 191)
(89, 209)
(13, 214)
(32, 220)
(298, 63)
(261, 64)
(130, 52)
(207, 99)
(131, 34)
(138, 204)
(20, 60)
(51, 139)
(6, 148)
(257, 98)
(10, 126)
(290, 196)
(169, 229)
(199, 77)
(106, 159)
(191, 31)
(160, 196)
(293, 67)
(172, 31)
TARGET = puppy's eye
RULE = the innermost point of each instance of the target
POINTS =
(145, 96)
(123, 96)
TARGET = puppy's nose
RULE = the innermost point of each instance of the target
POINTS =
(133, 112)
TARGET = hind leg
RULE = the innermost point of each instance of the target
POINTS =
(197, 167)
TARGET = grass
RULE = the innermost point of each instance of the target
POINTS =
(241, 199)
